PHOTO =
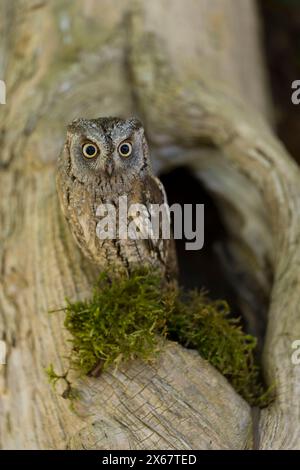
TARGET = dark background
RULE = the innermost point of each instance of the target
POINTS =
(281, 34)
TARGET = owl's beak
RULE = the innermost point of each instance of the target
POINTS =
(109, 168)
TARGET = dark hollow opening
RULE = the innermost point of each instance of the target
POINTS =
(208, 267)
(202, 268)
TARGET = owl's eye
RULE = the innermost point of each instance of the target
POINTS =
(125, 149)
(90, 150)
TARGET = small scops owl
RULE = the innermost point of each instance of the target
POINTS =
(104, 160)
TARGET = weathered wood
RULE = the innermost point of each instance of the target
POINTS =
(183, 68)
(141, 407)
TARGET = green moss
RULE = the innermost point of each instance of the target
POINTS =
(120, 322)
(127, 317)
(199, 323)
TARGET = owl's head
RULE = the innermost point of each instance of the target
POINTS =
(106, 147)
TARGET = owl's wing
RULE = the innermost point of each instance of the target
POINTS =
(154, 192)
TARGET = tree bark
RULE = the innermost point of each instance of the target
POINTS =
(195, 76)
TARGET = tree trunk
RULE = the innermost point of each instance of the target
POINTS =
(193, 72)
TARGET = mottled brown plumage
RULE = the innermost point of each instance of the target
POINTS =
(94, 170)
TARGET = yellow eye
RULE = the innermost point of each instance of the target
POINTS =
(125, 149)
(90, 150)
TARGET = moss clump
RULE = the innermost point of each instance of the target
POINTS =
(120, 322)
(126, 318)
(200, 323)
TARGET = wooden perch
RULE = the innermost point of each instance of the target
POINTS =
(195, 77)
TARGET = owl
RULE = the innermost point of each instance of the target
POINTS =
(102, 161)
